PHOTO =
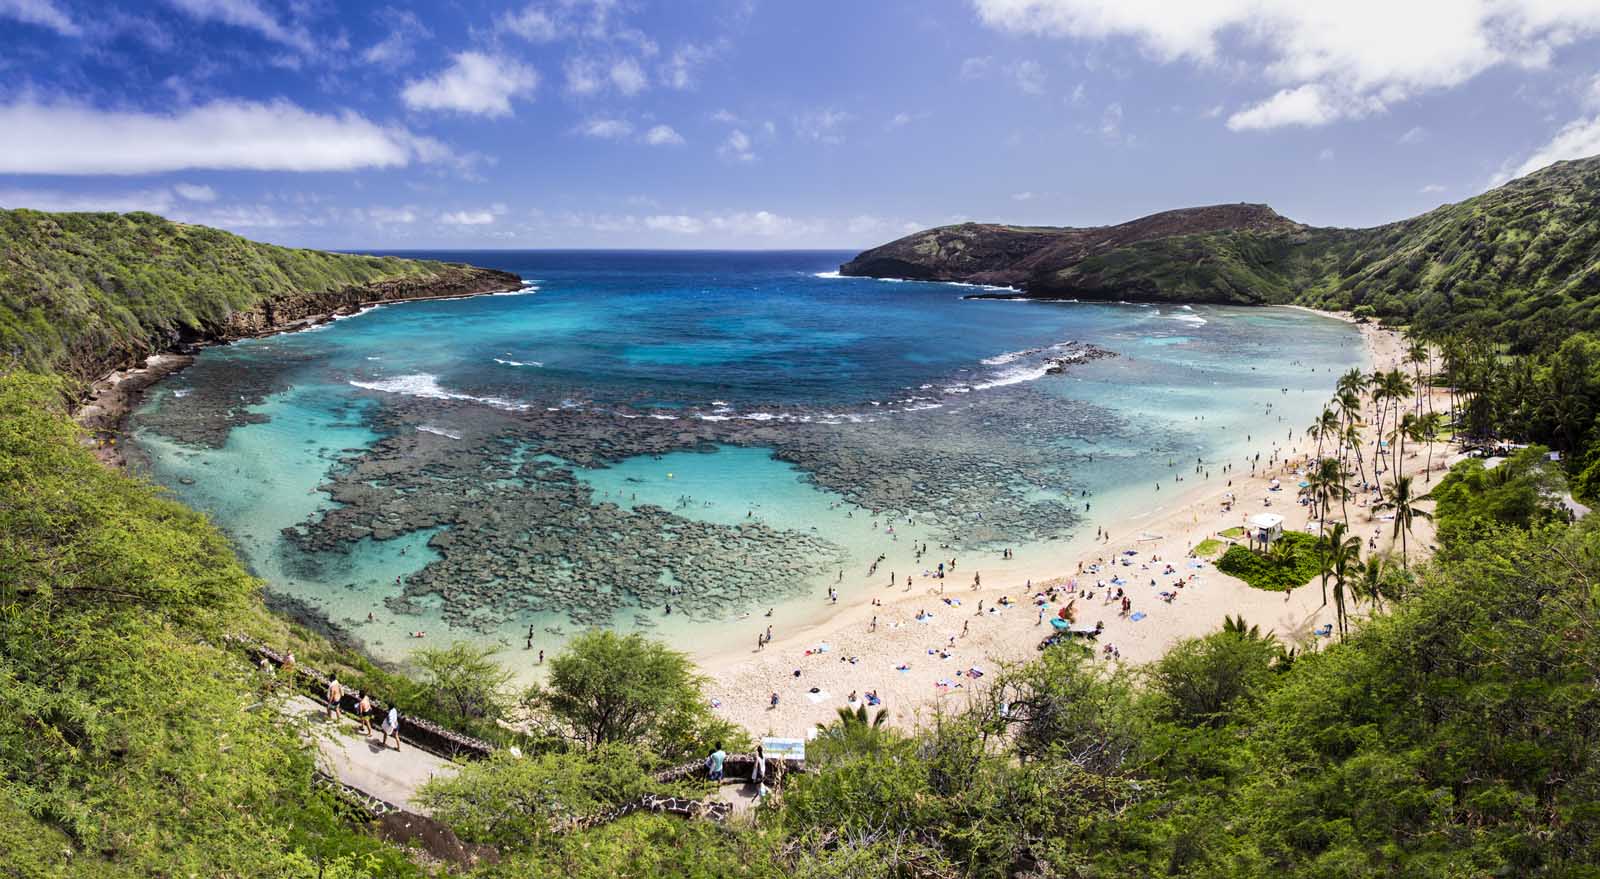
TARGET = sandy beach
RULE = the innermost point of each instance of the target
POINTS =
(919, 653)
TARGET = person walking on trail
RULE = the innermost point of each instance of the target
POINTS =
(391, 727)
(364, 712)
(714, 763)
(759, 773)
(335, 696)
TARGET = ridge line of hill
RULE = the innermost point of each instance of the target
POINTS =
(1522, 260)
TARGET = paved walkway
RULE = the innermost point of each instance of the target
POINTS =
(382, 772)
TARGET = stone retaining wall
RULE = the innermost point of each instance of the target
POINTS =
(415, 731)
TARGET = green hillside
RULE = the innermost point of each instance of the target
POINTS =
(81, 294)
(1522, 259)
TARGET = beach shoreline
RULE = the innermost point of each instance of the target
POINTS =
(108, 401)
(848, 654)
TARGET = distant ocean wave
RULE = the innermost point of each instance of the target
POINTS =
(427, 386)
(438, 431)
(519, 362)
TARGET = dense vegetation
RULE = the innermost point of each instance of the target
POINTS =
(1521, 261)
(1450, 730)
(1452, 735)
(129, 744)
(81, 293)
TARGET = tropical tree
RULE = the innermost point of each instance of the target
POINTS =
(1417, 353)
(1236, 625)
(1403, 501)
(607, 688)
(1325, 427)
(1429, 427)
(463, 684)
(1344, 560)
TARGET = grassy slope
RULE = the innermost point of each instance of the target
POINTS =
(1528, 249)
(78, 291)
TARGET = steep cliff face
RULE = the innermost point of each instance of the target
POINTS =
(1521, 260)
(84, 294)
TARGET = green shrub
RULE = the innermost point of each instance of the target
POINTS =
(1290, 562)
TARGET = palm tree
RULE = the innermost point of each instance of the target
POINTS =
(858, 718)
(1352, 438)
(1369, 585)
(1326, 426)
(1344, 559)
(1235, 625)
(1428, 428)
(1407, 427)
(1404, 503)
(1416, 355)
(1327, 482)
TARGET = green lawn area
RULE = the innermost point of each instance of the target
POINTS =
(1235, 532)
(1208, 547)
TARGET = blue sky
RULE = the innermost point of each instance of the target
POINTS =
(757, 123)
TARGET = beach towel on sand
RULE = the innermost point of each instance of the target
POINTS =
(819, 697)
(1137, 617)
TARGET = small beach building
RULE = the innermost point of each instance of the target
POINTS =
(1265, 528)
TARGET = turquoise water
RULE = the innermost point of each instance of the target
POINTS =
(717, 434)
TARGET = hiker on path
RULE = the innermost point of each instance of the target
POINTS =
(364, 712)
(391, 727)
(335, 696)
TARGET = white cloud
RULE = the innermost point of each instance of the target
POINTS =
(1414, 135)
(605, 129)
(1431, 188)
(628, 76)
(222, 135)
(1330, 61)
(865, 228)
(405, 29)
(249, 15)
(1111, 121)
(677, 223)
(1325, 154)
(471, 217)
(679, 70)
(583, 76)
(1308, 106)
(531, 23)
(1578, 139)
(1029, 77)
(254, 216)
(764, 224)
(821, 125)
(474, 83)
(392, 216)
(195, 192)
(44, 13)
(725, 117)
(1079, 94)
(976, 68)
(737, 147)
(1023, 196)
(157, 200)
(898, 120)
(663, 135)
